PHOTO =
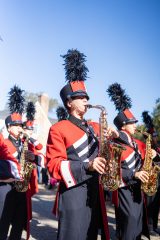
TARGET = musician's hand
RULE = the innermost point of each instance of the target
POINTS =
(112, 132)
(98, 164)
(142, 175)
(154, 153)
(29, 156)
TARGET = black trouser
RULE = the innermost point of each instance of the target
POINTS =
(15, 214)
(4, 189)
(130, 212)
(153, 206)
(44, 176)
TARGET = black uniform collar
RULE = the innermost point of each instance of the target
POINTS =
(127, 139)
(78, 122)
(16, 142)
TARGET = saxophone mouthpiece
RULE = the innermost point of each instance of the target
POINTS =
(89, 106)
(23, 134)
(100, 107)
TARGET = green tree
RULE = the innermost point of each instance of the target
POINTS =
(53, 103)
(156, 117)
(156, 121)
(33, 97)
(139, 130)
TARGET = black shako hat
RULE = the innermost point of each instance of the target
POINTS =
(148, 121)
(16, 106)
(30, 115)
(122, 103)
(75, 74)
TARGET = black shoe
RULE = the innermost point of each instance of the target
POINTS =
(157, 230)
(50, 186)
(153, 233)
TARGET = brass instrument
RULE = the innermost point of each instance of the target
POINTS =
(150, 187)
(111, 152)
(26, 168)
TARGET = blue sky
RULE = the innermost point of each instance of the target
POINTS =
(121, 39)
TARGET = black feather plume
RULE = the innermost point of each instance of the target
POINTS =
(75, 68)
(119, 97)
(16, 100)
(62, 113)
(30, 111)
(147, 119)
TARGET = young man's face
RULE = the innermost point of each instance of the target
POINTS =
(78, 105)
(15, 130)
(130, 128)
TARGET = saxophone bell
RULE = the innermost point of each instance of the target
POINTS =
(26, 167)
(150, 187)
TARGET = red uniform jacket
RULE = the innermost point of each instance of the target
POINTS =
(9, 167)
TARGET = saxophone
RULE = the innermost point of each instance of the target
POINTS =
(150, 187)
(111, 152)
(26, 169)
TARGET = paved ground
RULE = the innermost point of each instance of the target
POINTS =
(44, 224)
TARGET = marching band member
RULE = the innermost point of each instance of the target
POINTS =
(33, 144)
(128, 199)
(72, 156)
(14, 210)
(17, 206)
(153, 202)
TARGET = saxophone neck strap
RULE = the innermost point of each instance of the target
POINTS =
(126, 143)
